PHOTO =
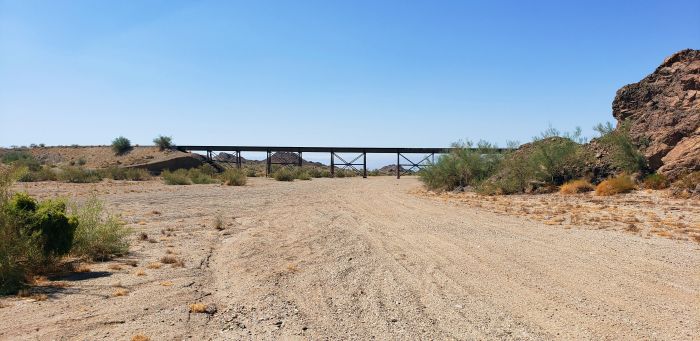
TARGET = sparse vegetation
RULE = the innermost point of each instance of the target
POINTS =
(178, 177)
(78, 175)
(616, 185)
(121, 145)
(624, 154)
(576, 186)
(197, 176)
(284, 174)
(462, 167)
(198, 308)
(687, 186)
(163, 142)
(99, 236)
(233, 177)
(655, 181)
(33, 235)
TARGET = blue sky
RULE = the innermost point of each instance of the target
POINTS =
(342, 73)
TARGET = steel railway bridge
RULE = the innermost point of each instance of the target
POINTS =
(358, 163)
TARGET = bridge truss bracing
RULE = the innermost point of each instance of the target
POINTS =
(404, 164)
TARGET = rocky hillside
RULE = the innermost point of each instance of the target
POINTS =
(664, 113)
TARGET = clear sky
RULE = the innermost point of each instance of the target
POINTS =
(321, 73)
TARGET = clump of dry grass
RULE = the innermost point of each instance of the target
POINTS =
(115, 267)
(576, 186)
(120, 292)
(140, 337)
(617, 185)
(198, 308)
(153, 265)
(166, 284)
(219, 222)
(140, 272)
(82, 267)
(174, 261)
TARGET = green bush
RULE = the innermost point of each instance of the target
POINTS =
(302, 174)
(78, 175)
(283, 174)
(98, 236)
(208, 169)
(233, 177)
(32, 235)
(46, 173)
(546, 162)
(178, 177)
(163, 142)
(197, 176)
(624, 154)
(462, 167)
(251, 172)
(121, 145)
(18, 158)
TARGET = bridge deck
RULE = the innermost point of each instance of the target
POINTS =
(336, 161)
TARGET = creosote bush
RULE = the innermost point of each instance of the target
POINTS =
(233, 177)
(99, 235)
(283, 174)
(32, 234)
(78, 175)
(121, 145)
(576, 186)
(619, 184)
(163, 142)
(198, 176)
(178, 177)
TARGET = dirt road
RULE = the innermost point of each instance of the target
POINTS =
(359, 259)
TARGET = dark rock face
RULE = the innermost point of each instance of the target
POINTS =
(664, 113)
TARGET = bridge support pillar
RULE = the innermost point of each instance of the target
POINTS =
(364, 165)
(268, 166)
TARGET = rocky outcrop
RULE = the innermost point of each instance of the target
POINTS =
(663, 111)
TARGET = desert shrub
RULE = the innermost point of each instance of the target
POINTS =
(283, 174)
(464, 166)
(547, 162)
(576, 186)
(121, 145)
(178, 177)
(624, 154)
(376, 172)
(619, 184)
(78, 175)
(251, 172)
(163, 142)
(45, 173)
(687, 185)
(655, 181)
(32, 235)
(208, 169)
(302, 174)
(19, 158)
(198, 177)
(233, 177)
(98, 236)
(315, 172)
(81, 162)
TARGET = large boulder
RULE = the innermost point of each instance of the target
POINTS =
(663, 111)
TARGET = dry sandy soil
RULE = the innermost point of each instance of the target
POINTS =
(373, 259)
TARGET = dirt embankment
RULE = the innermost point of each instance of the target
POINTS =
(366, 258)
